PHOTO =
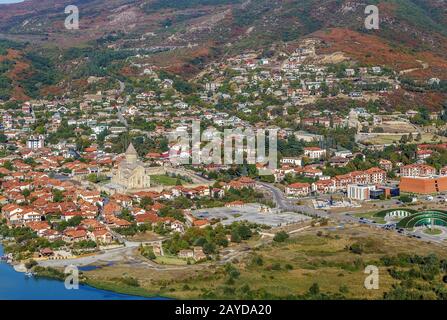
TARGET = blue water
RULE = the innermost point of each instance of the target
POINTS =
(16, 286)
(10, 1)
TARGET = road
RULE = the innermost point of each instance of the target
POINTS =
(348, 218)
(285, 204)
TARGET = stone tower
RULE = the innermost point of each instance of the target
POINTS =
(131, 154)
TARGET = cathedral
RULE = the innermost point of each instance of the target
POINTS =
(132, 174)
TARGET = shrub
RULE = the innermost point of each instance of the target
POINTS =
(356, 248)
(30, 264)
(280, 236)
(257, 260)
(132, 282)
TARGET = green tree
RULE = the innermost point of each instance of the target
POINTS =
(281, 236)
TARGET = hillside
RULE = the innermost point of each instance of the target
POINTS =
(23, 73)
(184, 36)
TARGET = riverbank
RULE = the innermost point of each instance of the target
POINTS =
(49, 285)
(117, 287)
(124, 289)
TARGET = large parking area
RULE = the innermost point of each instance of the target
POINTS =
(251, 213)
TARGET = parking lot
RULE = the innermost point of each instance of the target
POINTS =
(251, 213)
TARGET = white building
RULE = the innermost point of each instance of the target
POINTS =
(314, 152)
(343, 153)
(35, 142)
(360, 192)
(292, 161)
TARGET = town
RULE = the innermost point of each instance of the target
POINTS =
(87, 178)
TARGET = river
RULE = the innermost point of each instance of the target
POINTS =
(10, 1)
(16, 286)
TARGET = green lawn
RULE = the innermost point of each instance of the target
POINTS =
(433, 232)
(370, 216)
(164, 180)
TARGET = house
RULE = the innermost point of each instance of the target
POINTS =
(350, 72)
(217, 193)
(118, 223)
(386, 165)
(417, 170)
(324, 186)
(92, 224)
(311, 172)
(30, 214)
(376, 70)
(3, 200)
(177, 226)
(376, 175)
(74, 235)
(294, 161)
(343, 153)
(424, 154)
(198, 254)
(243, 182)
(102, 236)
(35, 142)
(314, 152)
(147, 218)
(338, 162)
(298, 189)
(371, 176)
(200, 223)
(46, 253)
(93, 197)
(51, 235)
(186, 254)
(12, 213)
(39, 226)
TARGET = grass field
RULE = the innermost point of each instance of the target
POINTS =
(392, 138)
(433, 232)
(370, 216)
(164, 180)
(170, 260)
(288, 269)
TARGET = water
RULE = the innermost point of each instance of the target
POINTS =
(10, 1)
(16, 286)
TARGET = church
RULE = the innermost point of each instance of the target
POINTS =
(132, 174)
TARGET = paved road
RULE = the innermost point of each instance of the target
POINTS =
(285, 204)
(347, 217)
